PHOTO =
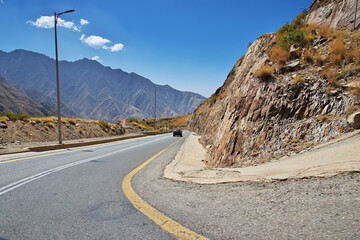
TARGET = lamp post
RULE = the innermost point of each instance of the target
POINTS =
(56, 15)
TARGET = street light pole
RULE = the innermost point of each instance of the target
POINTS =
(56, 15)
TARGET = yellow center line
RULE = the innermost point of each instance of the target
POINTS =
(169, 225)
(57, 153)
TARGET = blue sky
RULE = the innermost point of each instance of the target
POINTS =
(190, 45)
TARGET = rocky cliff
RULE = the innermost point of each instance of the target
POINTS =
(290, 91)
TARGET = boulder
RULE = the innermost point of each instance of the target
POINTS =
(354, 120)
(294, 52)
(3, 125)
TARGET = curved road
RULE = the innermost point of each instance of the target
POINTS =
(76, 193)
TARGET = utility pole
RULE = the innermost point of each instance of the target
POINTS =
(155, 111)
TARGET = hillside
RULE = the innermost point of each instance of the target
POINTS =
(90, 90)
(292, 90)
(11, 100)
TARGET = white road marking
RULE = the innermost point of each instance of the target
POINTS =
(24, 181)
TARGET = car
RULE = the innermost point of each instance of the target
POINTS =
(177, 132)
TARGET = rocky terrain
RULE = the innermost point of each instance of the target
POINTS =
(91, 90)
(38, 131)
(292, 90)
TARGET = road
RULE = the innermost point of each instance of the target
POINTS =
(76, 193)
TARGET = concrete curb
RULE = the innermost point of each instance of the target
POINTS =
(79, 144)
(326, 160)
(76, 144)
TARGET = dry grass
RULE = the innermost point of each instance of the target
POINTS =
(326, 32)
(338, 50)
(223, 95)
(323, 118)
(309, 55)
(50, 124)
(4, 119)
(43, 119)
(265, 72)
(319, 60)
(279, 55)
(356, 90)
(311, 27)
(297, 79)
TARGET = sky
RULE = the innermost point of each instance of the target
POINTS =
(190, 45)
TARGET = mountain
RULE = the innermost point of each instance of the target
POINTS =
(286, 94)
(92, 90)
(11, 100)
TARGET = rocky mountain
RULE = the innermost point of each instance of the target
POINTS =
(11, 100)
(88, 89)
(291, 90)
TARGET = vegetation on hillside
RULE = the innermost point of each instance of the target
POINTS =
(163, 124)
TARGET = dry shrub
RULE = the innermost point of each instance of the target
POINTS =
(319, 60)
(335, 59)
(356, 90)
(265, 72)
(72, 121)
(50, 124)
(323, 118)
(309, 55)
(297, 79)
(338, 50)
(311, 27)
(4, 119)
(279, 55)
(44, 119)
(326, 32)
(223, 95)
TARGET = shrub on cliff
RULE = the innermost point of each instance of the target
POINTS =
(265, 72)
(104, 125)
(10, 116)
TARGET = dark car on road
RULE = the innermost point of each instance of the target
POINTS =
(177, 132)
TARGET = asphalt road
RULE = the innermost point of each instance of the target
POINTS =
(76, 193)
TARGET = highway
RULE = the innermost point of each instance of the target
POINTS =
(81, 193)
(76, 193)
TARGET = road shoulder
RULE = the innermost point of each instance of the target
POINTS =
(329, 159)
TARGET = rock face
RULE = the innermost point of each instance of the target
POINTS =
(251, 120)
(336, 14)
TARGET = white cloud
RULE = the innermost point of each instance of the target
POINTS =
(84, 22)
(96, 58)
(48, 22)
(95, 41)
(101, 43)
(117, 47)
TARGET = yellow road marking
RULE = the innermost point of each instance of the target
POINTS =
(57, 153)
(169, 225)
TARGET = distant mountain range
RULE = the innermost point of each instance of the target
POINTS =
(91, 90)
(11, 100)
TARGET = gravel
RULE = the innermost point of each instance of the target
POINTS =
(313, 208)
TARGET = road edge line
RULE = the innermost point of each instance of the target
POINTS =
(166, 223)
